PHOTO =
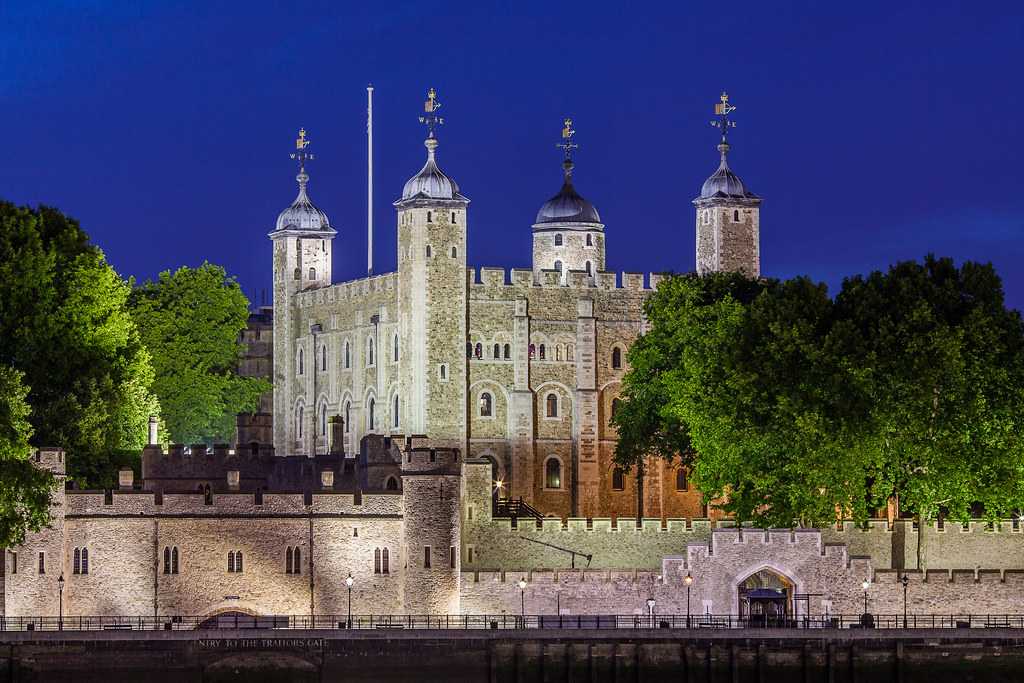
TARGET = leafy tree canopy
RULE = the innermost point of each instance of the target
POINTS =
(190, 321)
(64, 324)
(25, 489)
(906, 387)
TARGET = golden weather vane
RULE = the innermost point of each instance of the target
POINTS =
(722, 111)
(430, 107)
(300, 154)
(567, 145)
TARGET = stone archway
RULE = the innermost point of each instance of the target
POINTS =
(225, 616)
(766, 597)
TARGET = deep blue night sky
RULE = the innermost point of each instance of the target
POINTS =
(874, 131)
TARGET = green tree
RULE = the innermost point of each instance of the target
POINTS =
(64, 324)
(25, 489)
(190, 321)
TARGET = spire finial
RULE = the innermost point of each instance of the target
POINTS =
(302, 156)
(722, 111)
(430, 118)
(567, 146)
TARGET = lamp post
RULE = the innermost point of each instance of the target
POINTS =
(689, 582)
(865, 617)
(650, 610)
(522, 599)
(904, 581)
(60, 602)
(348, 582)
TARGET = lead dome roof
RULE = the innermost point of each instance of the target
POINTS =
(303, 214)
(568, 206)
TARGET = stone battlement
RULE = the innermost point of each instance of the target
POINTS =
(353, 289)
(146, 503)
(519, 279)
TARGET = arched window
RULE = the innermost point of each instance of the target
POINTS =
(552, 405)
(486, 406)
(323, 419)
(469, 349)
(77, 564)
(167, 560)
(497, 351)
(302, 364)
(174, 560)
(369, 414)
(682, 483)
(453, 218)
(543, 353)
(298, 421)
(384, 569)
(558, 239)
(348, 356)
(507, 351)
(348, 416)
(428, 251)
(558, 352)
(455, 252)
(590, 240)
(618, 479)
(444, 371)
(297, 561)
(533, 350)
(376, 560)
(736, 216)
(395, 350)
(85, 560)
(589, 268)
(430, 217)
(617, 358)
(394, 413)
(312, 273)
(323, 358)
(478, 350)
(288, 561)
(369, 352)
(231, 561)
(568, 352)
(298, 274)
(391, 484)
(553, 473)
(558, 266)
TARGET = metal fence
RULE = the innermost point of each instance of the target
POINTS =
(507, 621)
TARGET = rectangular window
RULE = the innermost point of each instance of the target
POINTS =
(14, 563)
(451, 557)
(42, 563)
(426, 557)
(469, 553)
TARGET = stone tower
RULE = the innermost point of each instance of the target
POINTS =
(302, 260)
(432, 219)
(728, 214)
(432, 532)
(568, 233)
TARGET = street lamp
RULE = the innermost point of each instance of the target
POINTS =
(650, 610)
(688, 580)
(522, 599)
(904, 581)
(348, 582)
(865, 618)
(60, 602)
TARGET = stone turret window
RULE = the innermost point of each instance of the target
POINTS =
(590, 240)
(312, 273)
(617, 358)
(542, 352)
(302, 364)
(589, 268)
(428, 251)
(558, 239)
(455, 252)
(348, 355)
(553, 473)
(552, 405)
(705, 217)
(618, 479)
(430, 217)
(478, 350)
(369, 352)
(569, 352)
(452, 558)
(348, 417)
(394, 413)
(14, 563)
(736, 216)
(395, 350)
(299, 420)
(453, 218)
(323, 419)
(381, 561)
(426, 557)
(323, 358)
(42, 563)
(486, 405)
(235, 562)
(507, 351)
(533, 350)
(682, 483)
(370, 408)
(497, 351)
(442, 372)
(376, 560)
(558, 352)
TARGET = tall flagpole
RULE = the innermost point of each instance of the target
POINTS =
(369, 180)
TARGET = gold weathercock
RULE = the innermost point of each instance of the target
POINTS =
(567, 145)
(430, 108)
(722, 111)
(300, 154)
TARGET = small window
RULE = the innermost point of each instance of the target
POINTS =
(558, 352)
(348, 356)
(77, 562)
(590, 240)
(167, 560)
(533, 350)
(369, 352)
(617, 358)
(231, 561)
(384, 562)
(312, 273)
(569, 352)
(589, 268)
(302, 364)
(297, 561)
(682, 483)
(391, 484)
(14, 563)
(469, 349)
(174, 560)
(736, 216)
(615, 406)
(376, 560)
(558, 239)
(558, 266)
(428, 251)
(553, 473)
(394, 413)
(455, 252)
(543, 352)
(299, 420)
(469, 554)
(618, 479)
(348, 417)
(288, 561)
(323, 358)
(85, 560)
(453, 218)
(395, 350)
(298, 274)
(552, 405)
(426, 557)
(451, 557)
(507, 351)
(430, 217)
(497, 351)
(369, 414)
(443, 372)
(323, 419)
(478, 350)
(704, 217)
(486, 406)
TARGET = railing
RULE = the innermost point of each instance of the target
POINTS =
(515, 508)
(695, 622)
